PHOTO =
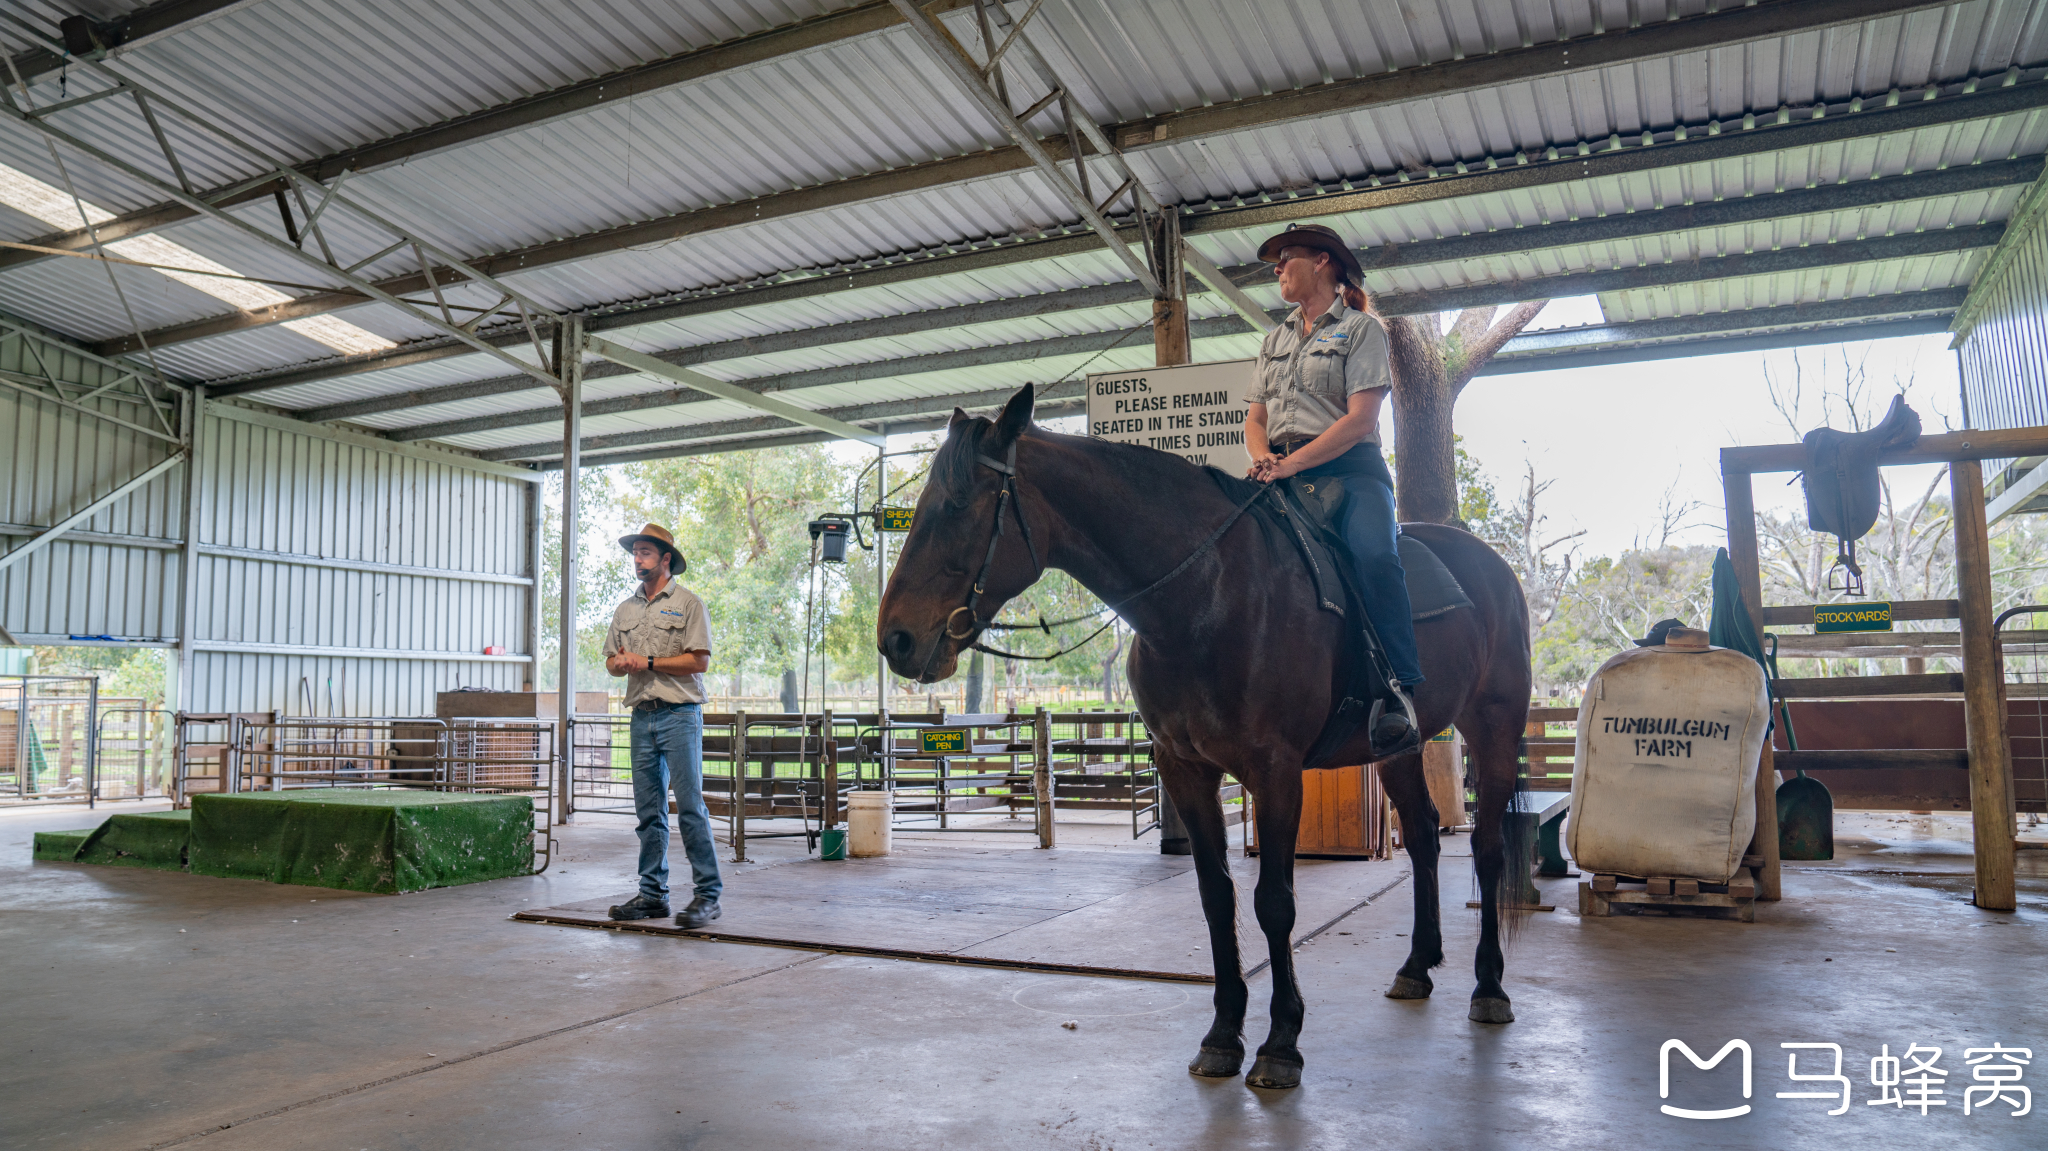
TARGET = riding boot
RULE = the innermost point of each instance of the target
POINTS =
(1394, 727)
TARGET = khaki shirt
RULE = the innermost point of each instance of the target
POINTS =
(672, 623)
(1306, 384)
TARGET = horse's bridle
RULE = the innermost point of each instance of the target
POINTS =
(1006, 497)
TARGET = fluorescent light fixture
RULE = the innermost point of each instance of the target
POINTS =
(54, 206)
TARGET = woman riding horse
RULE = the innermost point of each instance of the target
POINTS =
(1315, 411)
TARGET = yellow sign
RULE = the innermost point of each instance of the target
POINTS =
(897, 519)
(1839, 617)
(942, 740)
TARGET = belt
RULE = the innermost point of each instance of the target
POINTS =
(658, 705)
(1291, 445)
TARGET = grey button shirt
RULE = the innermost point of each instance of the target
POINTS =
(672, 623)
(1307, 384)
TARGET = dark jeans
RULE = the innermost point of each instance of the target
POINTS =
(668, 746)
(1371, 530)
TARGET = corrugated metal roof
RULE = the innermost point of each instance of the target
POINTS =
(312, 78)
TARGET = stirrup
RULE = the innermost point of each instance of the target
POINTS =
(1409, 737)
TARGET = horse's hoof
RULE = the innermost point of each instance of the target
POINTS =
(1491, 1011)
(1274, 1074)
(1214, 1063)
(1407, 988)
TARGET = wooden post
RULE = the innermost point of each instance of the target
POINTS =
(1170, 308)
(1041, 773)
(1739, 495)
(1991, 808)
(1170, 344)
(737, 797)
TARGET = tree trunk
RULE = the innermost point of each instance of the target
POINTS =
(1430, 368)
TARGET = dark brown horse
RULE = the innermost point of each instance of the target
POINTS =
(1234, 670)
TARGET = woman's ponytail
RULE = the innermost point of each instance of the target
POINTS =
(1354, 297)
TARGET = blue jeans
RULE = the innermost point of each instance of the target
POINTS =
(1371, 530)
(668, 743)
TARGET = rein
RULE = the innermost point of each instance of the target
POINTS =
(1007, 468)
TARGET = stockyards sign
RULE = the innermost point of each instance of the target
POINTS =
(1195, 411)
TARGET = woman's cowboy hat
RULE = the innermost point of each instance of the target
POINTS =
(658, 536)
(1320, 238)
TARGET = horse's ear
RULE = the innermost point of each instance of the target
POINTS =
(959, 417)
(1015, 417)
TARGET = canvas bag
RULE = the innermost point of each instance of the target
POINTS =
(1664, 782)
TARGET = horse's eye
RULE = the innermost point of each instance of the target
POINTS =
(955, 570)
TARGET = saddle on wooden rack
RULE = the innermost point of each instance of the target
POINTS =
(1843, 493)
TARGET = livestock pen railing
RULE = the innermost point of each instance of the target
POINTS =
(48, 753)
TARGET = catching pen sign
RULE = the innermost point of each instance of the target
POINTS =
(942, 740)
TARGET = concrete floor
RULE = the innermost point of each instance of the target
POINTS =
(146, 1009)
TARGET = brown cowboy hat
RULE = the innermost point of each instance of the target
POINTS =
(658, 536)
(1322, 239)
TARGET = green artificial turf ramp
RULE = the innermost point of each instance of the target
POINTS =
(379, 841)
(139, 839)
(60, 846)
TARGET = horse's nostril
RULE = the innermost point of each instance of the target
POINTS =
(898, 645)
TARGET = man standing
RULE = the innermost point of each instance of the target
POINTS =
(660, 640)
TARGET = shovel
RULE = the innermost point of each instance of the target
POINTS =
(1806, 812)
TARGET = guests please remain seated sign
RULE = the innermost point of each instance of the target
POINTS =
(1195, 411)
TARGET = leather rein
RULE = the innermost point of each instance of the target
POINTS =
(1007, 498)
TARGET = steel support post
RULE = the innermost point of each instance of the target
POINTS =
(736, 798)
(1991, 803)
(882, 562)
(188, 558)
(569, 366)
(536, 585)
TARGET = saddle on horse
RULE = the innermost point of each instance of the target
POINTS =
(1841, 483)
(1307, 513)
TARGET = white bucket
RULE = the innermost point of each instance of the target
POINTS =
(867, 823)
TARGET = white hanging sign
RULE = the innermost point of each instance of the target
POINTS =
(1195, 411)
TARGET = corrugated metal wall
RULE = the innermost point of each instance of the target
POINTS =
(288, 526)
(366, 578)
(118, 573)
(2005, 357)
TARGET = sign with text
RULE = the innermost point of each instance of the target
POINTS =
(1836, 617)
(896, 519)
(942, 740)
(1195, 411)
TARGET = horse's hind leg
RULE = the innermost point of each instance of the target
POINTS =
(1402, 777)
(1279, 815)
(1194, 793)
(1500, 850)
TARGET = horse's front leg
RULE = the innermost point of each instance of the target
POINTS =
(1278, 802)
(1193, 789)
(1402, 777)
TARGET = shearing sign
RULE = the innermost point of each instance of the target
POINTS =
(1195, 411)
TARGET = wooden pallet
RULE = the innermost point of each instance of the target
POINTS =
(1735, 899)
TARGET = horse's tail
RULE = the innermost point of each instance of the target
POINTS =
(1518, 845)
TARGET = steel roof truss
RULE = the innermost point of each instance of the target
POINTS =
(973, 78)
(281, 172)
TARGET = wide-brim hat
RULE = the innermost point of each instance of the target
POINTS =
(658, 536)
(1673, 635)
(1322, 239)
